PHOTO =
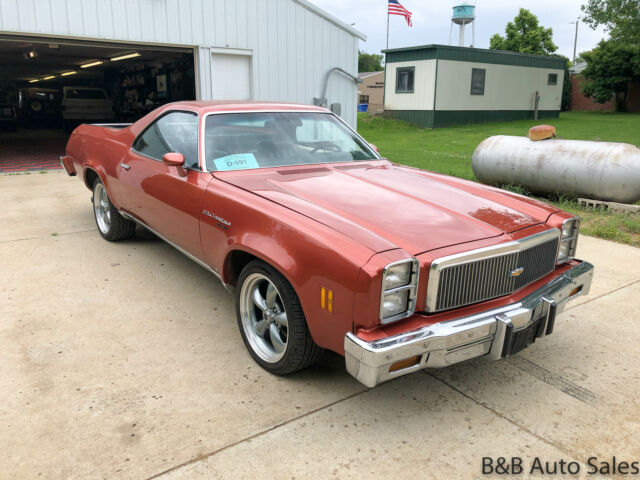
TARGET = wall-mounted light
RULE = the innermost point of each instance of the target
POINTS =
(66, 74)
(50, 77)
(124, 57)
(35, 80)
(30, 54)
(92, 64)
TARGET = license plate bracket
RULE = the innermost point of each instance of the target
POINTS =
(515, 342)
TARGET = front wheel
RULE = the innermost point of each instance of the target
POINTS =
(271, 321)
(111, 225)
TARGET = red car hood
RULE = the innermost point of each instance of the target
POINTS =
(385, 206)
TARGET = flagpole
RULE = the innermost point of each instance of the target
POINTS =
(387, 26)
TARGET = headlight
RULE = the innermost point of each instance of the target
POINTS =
(399, 289)
(397, 275)
(395, 303)
(568, 239)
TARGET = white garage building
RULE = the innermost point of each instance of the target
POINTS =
(281, 50)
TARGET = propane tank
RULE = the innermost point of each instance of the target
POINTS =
(598, 170)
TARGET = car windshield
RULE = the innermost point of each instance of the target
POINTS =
(239, 141)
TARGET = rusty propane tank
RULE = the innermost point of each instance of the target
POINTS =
(599, 170)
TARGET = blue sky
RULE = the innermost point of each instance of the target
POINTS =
(431, 21)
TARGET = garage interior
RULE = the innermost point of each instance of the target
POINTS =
(35, 71)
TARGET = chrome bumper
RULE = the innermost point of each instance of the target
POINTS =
(493, 334)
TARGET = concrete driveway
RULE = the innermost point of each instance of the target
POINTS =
(124, 361)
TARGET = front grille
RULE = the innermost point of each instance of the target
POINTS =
(486, 278)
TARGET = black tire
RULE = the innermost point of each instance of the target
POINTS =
(118, 227)
(300, 351)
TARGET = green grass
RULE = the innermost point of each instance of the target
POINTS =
(449, 150)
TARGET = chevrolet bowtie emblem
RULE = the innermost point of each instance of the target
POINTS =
(517, 272)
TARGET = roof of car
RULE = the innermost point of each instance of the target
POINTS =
(203, 106)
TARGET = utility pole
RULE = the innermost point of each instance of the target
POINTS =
(575, 41)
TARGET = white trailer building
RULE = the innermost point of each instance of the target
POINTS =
(146, 52)
(438, 85)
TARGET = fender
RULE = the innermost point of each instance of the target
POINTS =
(101, 141)
(106, 179)
(308, 254)
(307, 277)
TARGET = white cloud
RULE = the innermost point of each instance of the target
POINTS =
(432, 22)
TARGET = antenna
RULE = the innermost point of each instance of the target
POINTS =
(463, 15)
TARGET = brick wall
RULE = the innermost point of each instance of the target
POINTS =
(581, 103)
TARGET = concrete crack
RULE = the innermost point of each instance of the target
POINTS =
(256, 435)
(600, 296)
(553, 444)
(46, 236)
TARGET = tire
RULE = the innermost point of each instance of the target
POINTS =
(111, 225)
(284, 345)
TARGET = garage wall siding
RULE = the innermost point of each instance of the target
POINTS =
(292, 47)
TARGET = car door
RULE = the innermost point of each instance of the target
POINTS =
(164, 198)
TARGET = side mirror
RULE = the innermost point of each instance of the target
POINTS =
(374, 147)
(172, 159)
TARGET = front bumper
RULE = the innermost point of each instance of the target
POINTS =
(493, 334)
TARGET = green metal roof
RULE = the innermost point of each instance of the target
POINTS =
(468, 54)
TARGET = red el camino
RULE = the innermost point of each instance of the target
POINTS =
(327, 245)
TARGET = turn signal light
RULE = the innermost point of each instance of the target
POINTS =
(575, 291)
(406, 363)
(326, 299)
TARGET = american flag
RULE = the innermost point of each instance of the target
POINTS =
(395, 8)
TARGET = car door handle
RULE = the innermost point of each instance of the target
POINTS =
(126, 166)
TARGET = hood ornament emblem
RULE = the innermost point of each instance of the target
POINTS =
(517, 272)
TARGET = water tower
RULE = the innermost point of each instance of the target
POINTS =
(464, 15)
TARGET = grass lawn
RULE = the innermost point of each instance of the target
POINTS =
(449, 150)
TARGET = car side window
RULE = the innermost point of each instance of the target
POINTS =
(173, 132)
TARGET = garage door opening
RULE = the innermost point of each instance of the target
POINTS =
(49, 86)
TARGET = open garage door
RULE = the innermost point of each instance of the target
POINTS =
(48, 86)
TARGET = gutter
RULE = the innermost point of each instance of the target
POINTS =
(327, 16)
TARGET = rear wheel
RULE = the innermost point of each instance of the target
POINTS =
(271, 321)
(111, 225)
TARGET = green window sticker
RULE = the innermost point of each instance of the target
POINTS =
(238, 161)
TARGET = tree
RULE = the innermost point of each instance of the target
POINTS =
(565, 103)
(620, 17)
(525, 35)
(610, 68)
(369, 62)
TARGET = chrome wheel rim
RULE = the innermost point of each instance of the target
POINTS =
(264, 318)
(101, 208)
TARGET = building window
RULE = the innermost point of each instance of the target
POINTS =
(404, 79)
(552, 79)
(364, 99)
(477, 81)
